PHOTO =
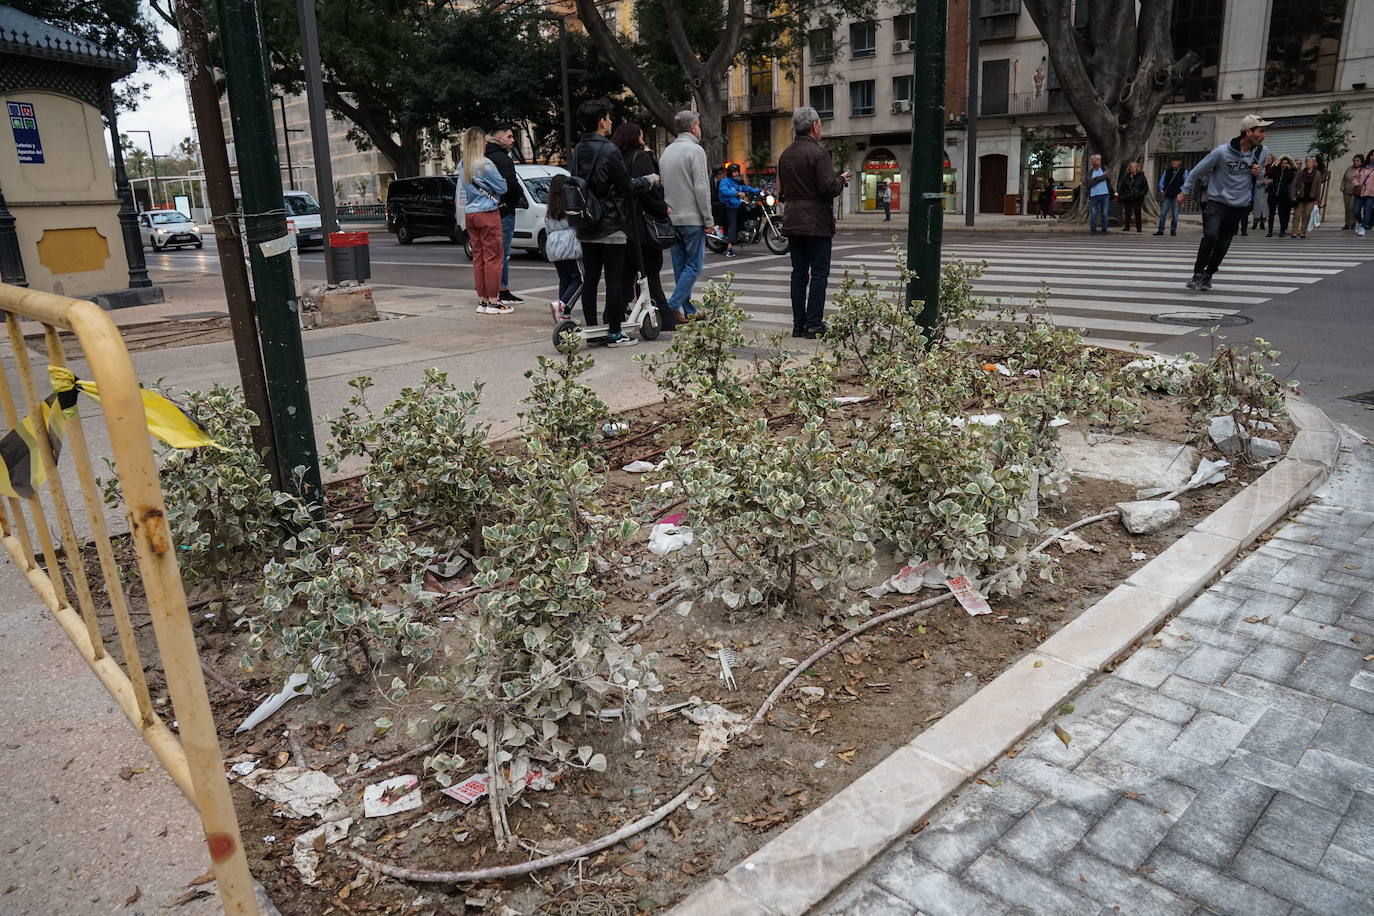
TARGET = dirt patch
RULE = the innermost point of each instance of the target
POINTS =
(861, 704)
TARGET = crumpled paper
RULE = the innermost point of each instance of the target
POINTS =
(306, 857)
(300, 792)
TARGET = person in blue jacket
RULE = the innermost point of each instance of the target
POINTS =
(732, 193)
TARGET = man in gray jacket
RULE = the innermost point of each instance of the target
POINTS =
(683, 167)
(1228, 174)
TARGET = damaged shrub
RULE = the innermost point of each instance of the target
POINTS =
(1235, 382)
(700, 363)
(426, 453)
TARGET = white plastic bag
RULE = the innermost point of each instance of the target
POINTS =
(1316, 219)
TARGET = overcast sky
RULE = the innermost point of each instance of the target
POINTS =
(164, 112)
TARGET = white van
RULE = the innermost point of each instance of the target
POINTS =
(304, 211)
(529, 223)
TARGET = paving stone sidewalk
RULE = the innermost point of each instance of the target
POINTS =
(1227, 768)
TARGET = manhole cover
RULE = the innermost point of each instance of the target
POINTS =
(1366, 398)
(1201, 319)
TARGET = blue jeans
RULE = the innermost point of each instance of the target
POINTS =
(507, 233)
(1097, 212)
(1364, 212)
(810, 274)
(1167, 206)
(689, 254)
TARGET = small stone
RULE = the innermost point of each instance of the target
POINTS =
(812, 691)
(1227, 437)
(1265, 448)
(1148, 515)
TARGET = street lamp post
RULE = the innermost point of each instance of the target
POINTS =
(157, 183)
(925, 219)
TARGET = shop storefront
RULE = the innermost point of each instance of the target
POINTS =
(881, 170)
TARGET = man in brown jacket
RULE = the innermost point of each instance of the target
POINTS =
(808, 186)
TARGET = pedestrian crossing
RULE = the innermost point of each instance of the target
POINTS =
(1117, 289)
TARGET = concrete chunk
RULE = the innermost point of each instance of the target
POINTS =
(1138, 463)
(1146, 516)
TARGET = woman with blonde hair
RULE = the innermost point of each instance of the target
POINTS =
(482, 189)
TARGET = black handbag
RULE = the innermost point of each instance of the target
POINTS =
(659, 231)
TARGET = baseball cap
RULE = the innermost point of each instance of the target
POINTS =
(1250, 121)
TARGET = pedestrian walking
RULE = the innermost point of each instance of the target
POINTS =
(1228, 174)
(808, 186)
(644, 248)
(563, 250)
(1171, 183)
(1350, 186)
(1047, 202)
(1281, 189)
(687, 189)
(885, 200)
(483, 188)
(1308, 188)
(1134, 187)
(1364, 196)
(604, 246)
(1261, 202)
(499, 143)
(1099, 195)
(733, 191)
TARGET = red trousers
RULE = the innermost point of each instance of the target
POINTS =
(484, 229)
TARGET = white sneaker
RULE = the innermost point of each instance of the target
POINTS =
(484, 309)
(1359, 230)
(500, 308)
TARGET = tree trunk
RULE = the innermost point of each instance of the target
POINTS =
(711, 107)
(1116, 73)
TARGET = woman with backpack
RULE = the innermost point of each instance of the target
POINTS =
(640, 163)
(482, 190)
(563, 249)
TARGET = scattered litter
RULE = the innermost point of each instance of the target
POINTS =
(1057, 422)
(391, 796)
(728, 660)
(819, 763)
(664, 487)
(639, 467)
(1031, 373)
(1022, 621)
(475, 786)
(853, 398)
(1072, 543)
(979, 419)
(1062, 735)
(1001, 369)
(1164, 371)
(669, 534)
(469, 790)
(614, 430)
(788, 662)
(305, 851)
(715, 722)
(270, 838)
(1138, 555)
(909, 580)
(968, 596)
(296, 686)
(300, 792)
(811, 691)
(244, 768)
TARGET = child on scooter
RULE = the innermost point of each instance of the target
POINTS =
(563, 250)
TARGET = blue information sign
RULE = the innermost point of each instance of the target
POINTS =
(24, 123)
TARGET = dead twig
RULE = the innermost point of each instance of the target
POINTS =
(221, 681)
(394, 761)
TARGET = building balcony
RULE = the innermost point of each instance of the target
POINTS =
(760, 103)
(1002, 104)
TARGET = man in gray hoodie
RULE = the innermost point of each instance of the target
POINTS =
(1228, 176)
(688, 193)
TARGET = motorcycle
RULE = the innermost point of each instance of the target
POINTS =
(758, 221)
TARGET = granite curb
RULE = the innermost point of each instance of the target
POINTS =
(804, 864)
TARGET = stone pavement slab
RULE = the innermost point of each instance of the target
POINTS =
(1226, 769)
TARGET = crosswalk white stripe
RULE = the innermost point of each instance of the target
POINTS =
(1127, 297)
(1301, 264)
(1077, 284)
(1108, 324)
(1176, 273)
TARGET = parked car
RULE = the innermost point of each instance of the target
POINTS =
(168, 229)
(429, 205)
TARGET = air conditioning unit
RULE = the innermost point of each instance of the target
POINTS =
(901, 106)
(901, 46)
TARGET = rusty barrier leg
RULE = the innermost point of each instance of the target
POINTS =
(58, 572)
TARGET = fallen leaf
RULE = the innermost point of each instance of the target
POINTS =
(1062, 735)
(208, 877)
(645, 904)
(1039, 664)
(187, 898)
(1155, 643)
(1147, 869)
(1355, 638)
(1369, 658)
(1255, 618)
(990, 785)
(1130, 794)
(1066, 709)
(1082, 877)
(129, 773)
(133, 898)
(934, 716)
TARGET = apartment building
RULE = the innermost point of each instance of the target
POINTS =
(1284, 60)
(860, 78)
(760, 98)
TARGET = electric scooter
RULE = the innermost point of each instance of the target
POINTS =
(643, 315)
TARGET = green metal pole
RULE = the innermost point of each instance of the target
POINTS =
(255, 141)
(926, 216)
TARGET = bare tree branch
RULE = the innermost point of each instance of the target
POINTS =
(625, 65)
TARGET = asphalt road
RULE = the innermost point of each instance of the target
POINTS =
(1312, 298)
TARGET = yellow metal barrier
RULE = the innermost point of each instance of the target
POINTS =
(191, 755)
